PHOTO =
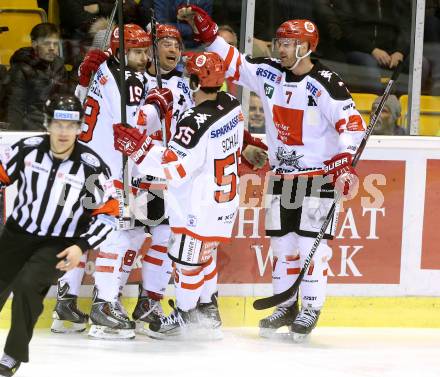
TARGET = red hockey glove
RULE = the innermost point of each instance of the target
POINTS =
(205, 29)
(162, 98)
(344, 175)
(130, 142)
(93, 59)
(254, 151)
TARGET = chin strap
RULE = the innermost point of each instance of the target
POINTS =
(299, 57)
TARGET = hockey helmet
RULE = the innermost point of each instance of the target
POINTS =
(134, 37)
(168, 31)
(302, 30)
(64, 107)
(208, 67)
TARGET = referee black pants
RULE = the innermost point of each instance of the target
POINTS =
(27, 267)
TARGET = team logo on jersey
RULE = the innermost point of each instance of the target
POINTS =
(201, 118)
(268, 90)
(326, 74)
(288, 158)
(312, 101)
(90, 159)
(313, 89)
(191, 221)
(33, 141)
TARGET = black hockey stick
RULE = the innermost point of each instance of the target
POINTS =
(156, 63)
(277, 299)
(123, 90)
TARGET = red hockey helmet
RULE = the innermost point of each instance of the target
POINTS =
(209, 68)
(168, 31)
(302, 30)
(134, 37)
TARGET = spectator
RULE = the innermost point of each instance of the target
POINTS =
(256, 115)
(166, 13)
(387, 122)
(35, 72)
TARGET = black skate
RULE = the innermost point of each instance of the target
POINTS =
(109, 321)
(67, 318)
(178, 324)
(209, 318)
(8, 366)
(282, 316)
(146, 311)
(304, 323)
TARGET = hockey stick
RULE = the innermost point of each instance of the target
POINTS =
(277, 299)
(156, 63)
(104, 42)
(123, 91)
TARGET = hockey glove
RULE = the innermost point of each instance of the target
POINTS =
(205, 29)
(343, 174)
(93, 59)
(162, 99)
(130, 142)
(254, 151)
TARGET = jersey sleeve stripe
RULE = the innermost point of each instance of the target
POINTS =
(237, 69)
(111, 207)
(229, 56)
(181, 230)
(4, 178)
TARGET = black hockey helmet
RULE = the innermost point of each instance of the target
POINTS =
(64, 107)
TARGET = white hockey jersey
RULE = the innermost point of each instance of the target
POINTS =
(309, 118)
(103, 108)
(202, 197)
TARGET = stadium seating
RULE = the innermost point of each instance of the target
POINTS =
(20, 17)
(429, 114)
(363, 102)
(54, 12)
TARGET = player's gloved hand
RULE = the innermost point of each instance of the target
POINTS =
(205, 29)
(344, 175)
(162, 99)
(130, 142)
(254, 151)
(93, 59)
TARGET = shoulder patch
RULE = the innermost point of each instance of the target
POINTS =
(33, 141)
(331, 82)
(90, 159)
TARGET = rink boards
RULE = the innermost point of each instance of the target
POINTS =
(386, 245)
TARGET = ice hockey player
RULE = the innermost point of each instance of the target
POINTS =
(312, 128)
(64, 207)
(200, 165)
(118, 252)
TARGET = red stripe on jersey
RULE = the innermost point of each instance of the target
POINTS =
(194, 272)
(110, 207)
(152, 186)
(167, 173)
(192, 287)
(81, 265)
(211, 275)
(325, 272)
(105, 255)
(237, 69)
(293, 271)
(104, 269)
(292, 258)
(152, 260)
(161, 249)
(181, 170)
(229, 57)
(181, 230)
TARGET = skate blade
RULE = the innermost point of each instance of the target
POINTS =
(104, 332)
(65, 327)
(300, 338)
(189, 334)
(143, 328)
(273, 334)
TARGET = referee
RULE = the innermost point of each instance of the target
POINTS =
(64, 206)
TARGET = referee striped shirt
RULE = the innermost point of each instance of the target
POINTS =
(71, 198)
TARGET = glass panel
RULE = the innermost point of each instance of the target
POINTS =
(430, 99)
(361, 41)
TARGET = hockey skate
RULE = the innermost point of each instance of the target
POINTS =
(109, 321)
(282, 316)
(179, 324)
(67, 318)
(304, 323)
(146, 311)
(8, 366)
(209, 319)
